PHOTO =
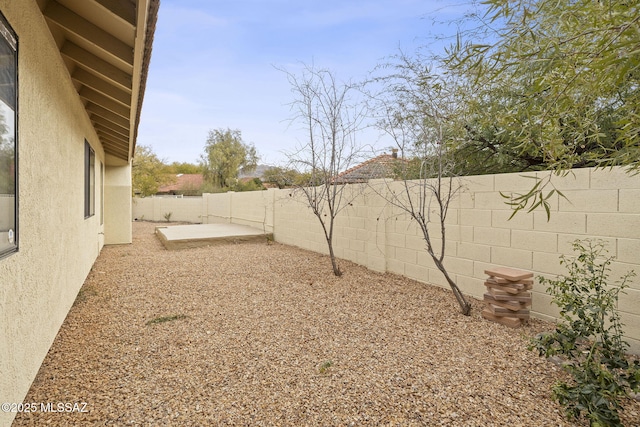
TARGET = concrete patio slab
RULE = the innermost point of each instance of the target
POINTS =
(197, 235)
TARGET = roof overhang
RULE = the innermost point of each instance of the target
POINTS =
(106, 46)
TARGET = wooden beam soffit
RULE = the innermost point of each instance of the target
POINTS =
(124, 9)
(102, 86)
(109, 142)
(115, 151)
(90, 61)
(93, 34)
(121, 132)
(110, 116)
(104, 101)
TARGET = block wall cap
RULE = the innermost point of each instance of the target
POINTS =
(511, 274)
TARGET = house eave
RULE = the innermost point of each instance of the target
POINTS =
(106, 47)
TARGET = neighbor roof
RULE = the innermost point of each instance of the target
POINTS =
(184, 182)
(378, 167)
(106, 46)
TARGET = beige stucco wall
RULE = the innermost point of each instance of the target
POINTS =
(117, 205)
(601, 204)
(58, 245)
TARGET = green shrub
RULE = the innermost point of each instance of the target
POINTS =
(588, 337)
(325, 366)
(254, 184)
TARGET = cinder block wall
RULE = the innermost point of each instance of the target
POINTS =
(188, 209)
(602, 204)
(252, 208)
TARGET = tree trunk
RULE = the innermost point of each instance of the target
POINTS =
(465, 306)
(328, 236)
(334, 263)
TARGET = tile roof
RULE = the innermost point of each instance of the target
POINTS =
(184, 181)
(378, 167)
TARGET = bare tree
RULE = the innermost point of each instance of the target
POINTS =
(331, 115)
(414, 107)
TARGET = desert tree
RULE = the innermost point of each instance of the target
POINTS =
(570, 72)
(331, 115)
(417, 108)
(7, 159)
(226, 156)
(148, 172)
(186, 168)
(284, 178)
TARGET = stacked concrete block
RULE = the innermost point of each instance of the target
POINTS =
(508, 297)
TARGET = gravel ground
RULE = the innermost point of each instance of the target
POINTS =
(258, 334)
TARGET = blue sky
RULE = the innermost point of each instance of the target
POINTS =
(214, 63)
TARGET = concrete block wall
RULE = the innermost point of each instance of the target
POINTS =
(187, 209)
(295, 224)
(216, 208)
(255, 208)
(603, 204)
(252, 208)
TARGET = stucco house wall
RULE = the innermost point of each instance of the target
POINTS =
(117, 189)
(57, 244)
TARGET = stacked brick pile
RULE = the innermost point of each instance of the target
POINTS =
(507, 300)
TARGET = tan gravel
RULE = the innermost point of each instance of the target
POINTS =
(263, 334)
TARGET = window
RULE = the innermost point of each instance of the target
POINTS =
(8, 139)
(89, 180)
(101, 193)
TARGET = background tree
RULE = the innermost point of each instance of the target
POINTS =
(248, 184)
(417, 109)
(332, 116)
(556, 84)
(284, 178)
(148, 172)
(226, 155)
(7, 159)
(185, 168)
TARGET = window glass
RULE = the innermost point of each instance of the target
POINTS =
(101, 175)
(8, 139)
(89, 180)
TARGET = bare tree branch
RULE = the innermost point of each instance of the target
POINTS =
(332, 118)
(413, 108)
